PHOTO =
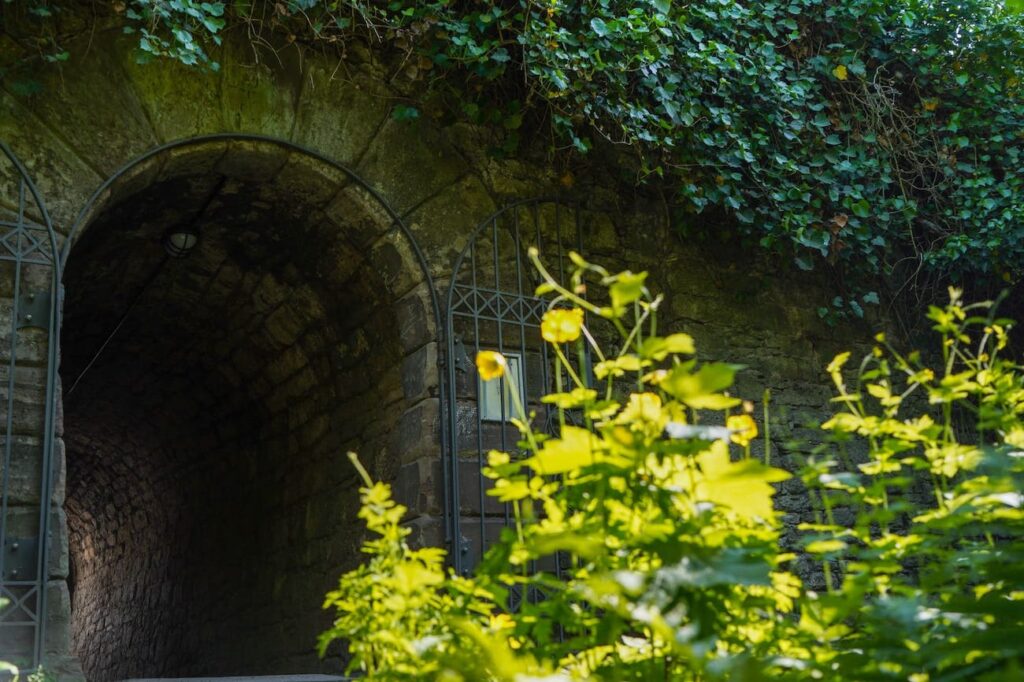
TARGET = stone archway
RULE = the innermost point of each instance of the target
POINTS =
(209, 501)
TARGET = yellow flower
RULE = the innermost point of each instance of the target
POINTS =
(501, 621)
(744, 428)
(490, 364)
(840, 72)
(561, 326)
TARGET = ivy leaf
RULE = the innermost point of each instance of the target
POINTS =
(804, 262)
(599, 27)
(403, 112)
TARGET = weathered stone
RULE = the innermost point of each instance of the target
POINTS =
(118, 127)
(402, 151)
(416, 434)
(181, 102)
(340, 111)
(419, 487)
(58, 626)
(257, 98)
(419, 373)
(196, 159)
(415, 315)
(427, 531)
(444, 224)
(310, 178)
(24, 479)
(359, 215)
(252, 161)
(473, 487)
(63, 179)
(395, 263)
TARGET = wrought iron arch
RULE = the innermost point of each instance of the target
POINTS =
(29, 254)
(29, 240)
(491, 305)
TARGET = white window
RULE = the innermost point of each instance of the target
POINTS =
(492, 393)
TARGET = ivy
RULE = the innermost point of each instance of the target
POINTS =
(881, 140)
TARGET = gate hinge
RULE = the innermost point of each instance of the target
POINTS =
(20, 556)
(34, 309)
(465, 547)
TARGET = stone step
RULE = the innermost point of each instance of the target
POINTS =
(246, 678)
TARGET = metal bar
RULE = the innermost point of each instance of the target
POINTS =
(38, 620)
(502, 303)
(481, 523)
(558, 240)
(507, 383)
(12, 363)
(449, 452)
(49, 436)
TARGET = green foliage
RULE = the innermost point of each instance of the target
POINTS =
(398, 623)
(933, 566)
(881, 138)
(669, 544)
(176, 29)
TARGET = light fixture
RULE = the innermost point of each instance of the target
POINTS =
(179, 241)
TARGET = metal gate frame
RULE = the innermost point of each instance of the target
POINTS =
(27, 243)
(479, 297)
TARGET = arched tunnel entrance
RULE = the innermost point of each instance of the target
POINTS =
(209, 501)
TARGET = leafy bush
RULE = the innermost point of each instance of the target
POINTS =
(667, 542)
(670, 546)
(883, 139)
(932, 568)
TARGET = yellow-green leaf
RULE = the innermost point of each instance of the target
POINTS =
(743, 486)
(574, 449)
(825, 546)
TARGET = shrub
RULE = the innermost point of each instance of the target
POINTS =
(662, 524)
(933, 566)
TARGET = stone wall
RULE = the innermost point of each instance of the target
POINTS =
(209, 505)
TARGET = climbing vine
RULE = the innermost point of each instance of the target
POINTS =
(881, 140)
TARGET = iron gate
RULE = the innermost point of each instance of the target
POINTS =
(491, 305)
(31, 289)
